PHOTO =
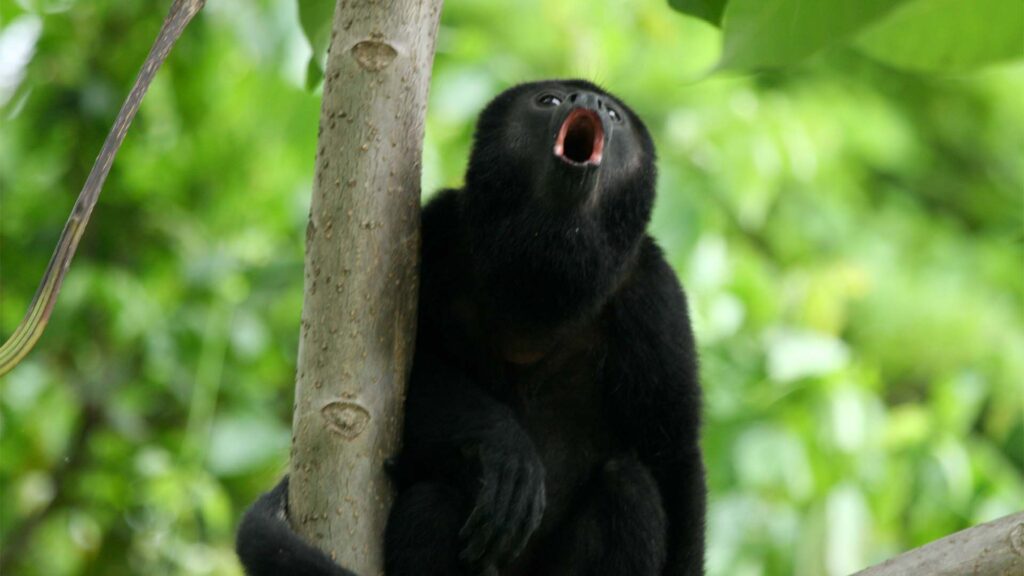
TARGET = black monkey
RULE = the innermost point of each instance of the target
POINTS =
(552, 419)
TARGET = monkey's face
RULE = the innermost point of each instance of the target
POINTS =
(558, 193)
(565, 144)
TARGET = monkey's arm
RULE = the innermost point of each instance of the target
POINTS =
(653, 382)
(448, 413)
(456, 431)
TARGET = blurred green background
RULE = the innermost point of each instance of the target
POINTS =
(850, 235)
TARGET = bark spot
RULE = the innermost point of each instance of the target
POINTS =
(373, 55)
(347, 419)
(1017, 539)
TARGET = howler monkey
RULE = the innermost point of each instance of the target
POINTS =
(552, 418)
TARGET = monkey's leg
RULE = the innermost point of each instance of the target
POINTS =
(619, 528)
(422, 537)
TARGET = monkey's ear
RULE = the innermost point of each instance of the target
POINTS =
(33, 324)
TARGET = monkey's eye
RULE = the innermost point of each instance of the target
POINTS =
(549, 100)
(614, 114)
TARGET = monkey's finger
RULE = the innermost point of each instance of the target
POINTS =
(516, 519)
(533, 520)
(484, 525)
(476, 531)
(507, 505)
(481, 509)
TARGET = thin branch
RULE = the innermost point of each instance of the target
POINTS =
(33, 324)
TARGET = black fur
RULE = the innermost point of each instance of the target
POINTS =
(268, 547)
(552, 419)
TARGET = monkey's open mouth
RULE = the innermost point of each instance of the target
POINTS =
(581, 138)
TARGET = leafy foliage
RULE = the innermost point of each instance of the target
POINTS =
(937, 35)
(948, 35)
(849, 235)
(709, 10)
(779, 32)
(316, 17)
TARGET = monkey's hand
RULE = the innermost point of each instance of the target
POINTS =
(509, 502)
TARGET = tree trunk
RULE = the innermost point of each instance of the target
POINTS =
(361, 276)
(992, 549)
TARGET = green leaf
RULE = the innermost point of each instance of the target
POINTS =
(315, 16)
(770, 33)
(948, 35)
(314, 73)
(708, 10)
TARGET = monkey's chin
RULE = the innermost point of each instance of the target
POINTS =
(571, 185)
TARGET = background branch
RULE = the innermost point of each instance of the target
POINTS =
(31, 328)
(992, 549)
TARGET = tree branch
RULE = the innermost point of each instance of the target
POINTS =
(992, 549)
(31, 328)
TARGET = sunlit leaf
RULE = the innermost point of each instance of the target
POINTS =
(773, 458)
(767, 33)
(240, 444)
(849, 521)
(948, 35)
(795, 354)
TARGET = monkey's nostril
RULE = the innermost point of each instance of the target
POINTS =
(572, 97)
(600, 103)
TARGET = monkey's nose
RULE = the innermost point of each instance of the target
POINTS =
(591, 101)
(587, 100)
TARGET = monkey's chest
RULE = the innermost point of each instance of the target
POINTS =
(562, 409)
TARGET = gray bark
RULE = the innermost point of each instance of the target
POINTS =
(362, 250)
(992, 549)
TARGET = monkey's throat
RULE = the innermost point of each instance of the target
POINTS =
(581, 138)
